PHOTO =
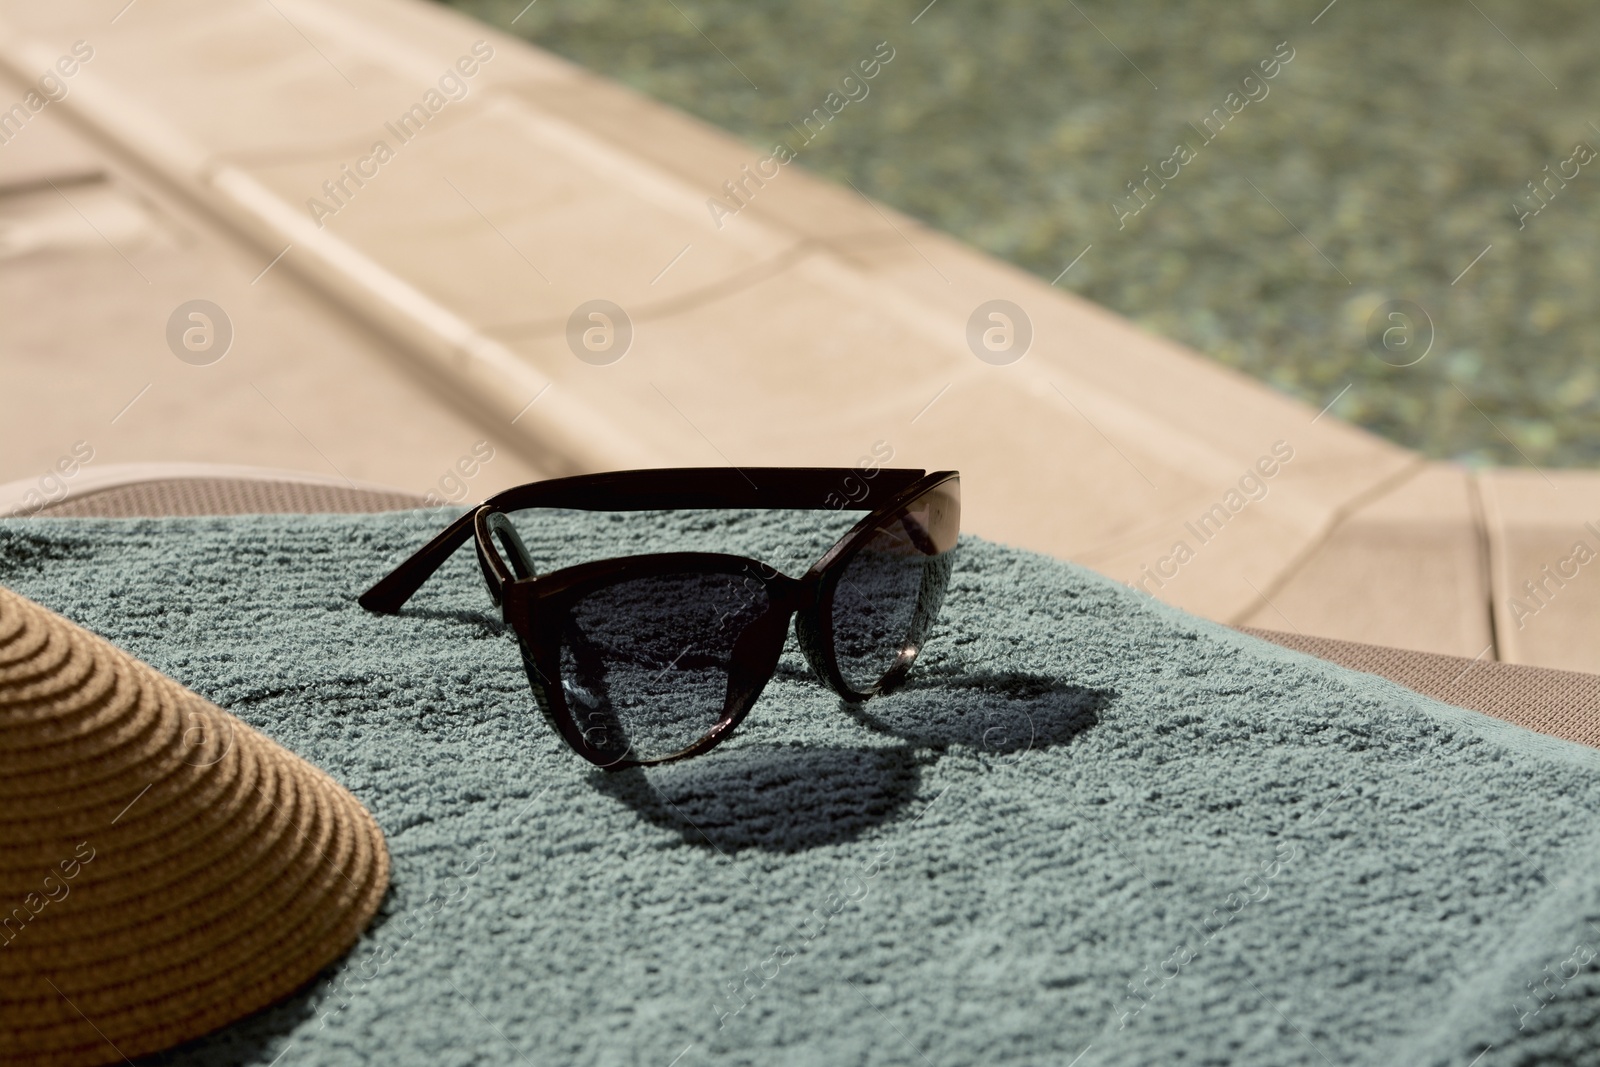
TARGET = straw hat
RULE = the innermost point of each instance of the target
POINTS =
(164, 868)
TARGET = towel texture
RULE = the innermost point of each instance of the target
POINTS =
(1091, 826)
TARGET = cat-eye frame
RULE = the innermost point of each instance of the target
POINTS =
(648, 658)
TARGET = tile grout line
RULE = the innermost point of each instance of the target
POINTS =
(1489, 566)
(1337, 519)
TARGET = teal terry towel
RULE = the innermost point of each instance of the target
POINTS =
(1092, 830)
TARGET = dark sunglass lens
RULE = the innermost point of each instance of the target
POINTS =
(644, 662)
(890, 591)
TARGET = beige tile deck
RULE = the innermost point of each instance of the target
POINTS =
(1545, 566)
(1408, 570)
(90, 271)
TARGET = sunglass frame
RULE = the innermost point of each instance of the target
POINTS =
(536, 606)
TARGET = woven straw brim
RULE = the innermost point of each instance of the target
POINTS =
(164, 868)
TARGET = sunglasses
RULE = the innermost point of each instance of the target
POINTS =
(645, 659)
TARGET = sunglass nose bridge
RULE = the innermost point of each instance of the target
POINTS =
(790, 594)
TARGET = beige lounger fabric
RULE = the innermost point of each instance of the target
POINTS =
(225, 496)
(1560, 703)
(1563, 704)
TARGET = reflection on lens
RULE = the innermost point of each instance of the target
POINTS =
(644, 662)
(891, 590)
